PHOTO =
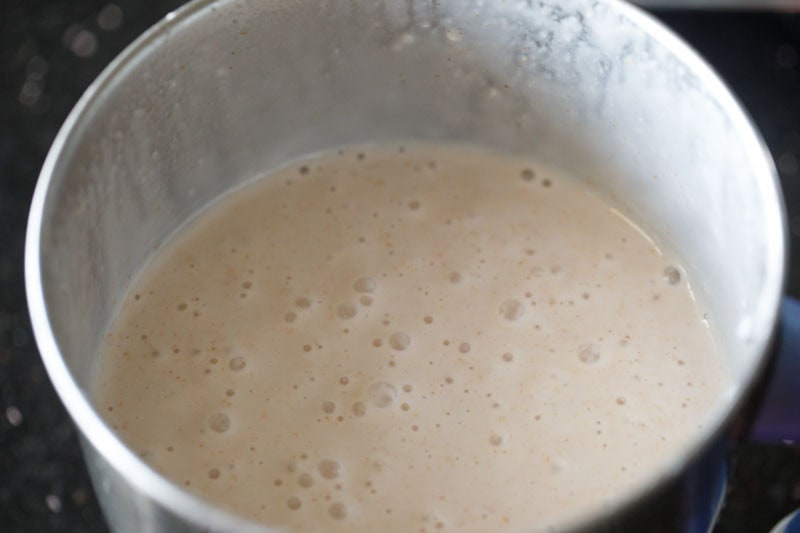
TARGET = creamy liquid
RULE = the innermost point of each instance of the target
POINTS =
(410, 340)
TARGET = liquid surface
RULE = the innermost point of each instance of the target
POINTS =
(410, 340)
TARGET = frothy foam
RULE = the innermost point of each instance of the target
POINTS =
(421, 339)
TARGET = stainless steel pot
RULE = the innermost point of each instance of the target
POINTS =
(221, 91)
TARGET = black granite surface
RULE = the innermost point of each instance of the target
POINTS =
(51, 50)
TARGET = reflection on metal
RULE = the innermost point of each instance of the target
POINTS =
(790, 5)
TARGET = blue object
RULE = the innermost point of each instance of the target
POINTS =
(778, 416)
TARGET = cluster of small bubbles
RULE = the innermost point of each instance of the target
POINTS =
(305, 480)
(512, 310)
(366, 300)
(346, 310)
(293, 503)
(672, 275)
(328, 407)
(329, 469)
(454, 277)
(496, 440)
(588, 353)
(219, 422)
(213, 473)
(508, 357)
(338, 511)
(237, 363)
(303, 302)
(464, 347)
(290, 317)
(359, 409)
(364, 285)
(399, 341)
(527, 174)
(381, 394)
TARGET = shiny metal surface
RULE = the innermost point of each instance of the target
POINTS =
(788, 5)
(223, 90)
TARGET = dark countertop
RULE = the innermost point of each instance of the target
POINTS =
(50, 50)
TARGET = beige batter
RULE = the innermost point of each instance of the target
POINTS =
(410, 339)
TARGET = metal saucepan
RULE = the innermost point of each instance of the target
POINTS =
(221, 91)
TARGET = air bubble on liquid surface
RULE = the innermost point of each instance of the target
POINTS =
(329, 469)
(293, 503)
(237, 363)
(512, 310)
(359, 409)
(305, 480)
(338, 511)
(219, 422)
(328, 407)
(399, 341)
(346, 310)
(588, 354)
(672, 275)
(381, 394)
(364, 285)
